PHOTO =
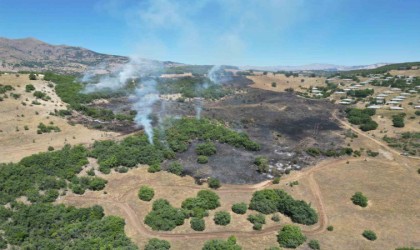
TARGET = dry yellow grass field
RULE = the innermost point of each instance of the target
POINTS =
(16, 142)
(413, 72)
(264, 82)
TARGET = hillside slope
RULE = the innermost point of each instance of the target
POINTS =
(30, 54)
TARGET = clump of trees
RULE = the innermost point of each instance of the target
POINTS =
(262, 164)
(229, 244)
(337, 152)
(222, 218)
(257, 220)
(362, 117)
(197, 224)
(290, 236)
(207, 149)
(146, 193)
(213, 183)
(164, 217)
(176, 168)
(198, 206)
(34, 226)
(29, 88)
(369, 234)
(360, 93)
(359, 199)
(398, 120)
(42, 128)
(276, 200)
(240, 208)
(48, 172)
(156, 244)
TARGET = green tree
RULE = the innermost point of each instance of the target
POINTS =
(29, 88)
(359, 199)
(229, 244)
(398, 121)
(32, 76)
(369, 234)
(290, 237)
(202, 159)
(146, 193)
(156, 244)
(153, 168)
(213, 183)
(176, 168)
(314, 244)
(239, 208)
(207, 149)
(197, 224)
(221, 218)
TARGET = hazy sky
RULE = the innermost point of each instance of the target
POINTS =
(238, 32)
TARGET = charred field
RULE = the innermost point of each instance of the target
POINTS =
(282, 123)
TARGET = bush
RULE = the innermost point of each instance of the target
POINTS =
(258, 220)
(156, 244)
(330, 228)
(50, 148)
(29, 88)
(359, 199)
(164, 217)
(154, 168)
(314, 244)
(276, 180)
(229, 244)
(146, 193)
(221, 218)
(202, 159)
(213, 183)
(276, 200)
(398, 121)
(198, 206)
(262, 163)
(275, 218)
(207, 149)
(257, 226)
(239, 208)
(290, 237)
(197, 224)
(32, 76)
(176, 168)
(369, 234)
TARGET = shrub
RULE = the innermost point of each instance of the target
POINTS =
(164, 217)
(207, 149)
(29, 88)
(91, 172)
(239, 208)
(221, 218)
(262, 164)
(176, 168)
(156, 244)
(202, 159)
(314, 244)
(229, 244)
(50, 148)
(257, 226)
(398, 121)
(146, 193)
(330, 228)
(290, 237)
(197, 224)
(359, 199)
(276, 200)
(153, 168)
(205, 200)
(32, 76)
(275, 218)
(213, 183)
(273, 84)
(276, 180)
(256, 218)
(369, 234)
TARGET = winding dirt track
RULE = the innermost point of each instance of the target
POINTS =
(135, 222)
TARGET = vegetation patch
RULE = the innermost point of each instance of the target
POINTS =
(229, 244)
(164, 217)
(240, 208)
(198, 206)
(146, 193)
(362, 117)
(290, 237)
(359, 199)
(222, 218)
(276, 200)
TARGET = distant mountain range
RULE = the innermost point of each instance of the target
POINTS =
(316, 66)
(30, 54)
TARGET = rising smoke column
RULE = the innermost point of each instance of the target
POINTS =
(144, 96)
(214, 76)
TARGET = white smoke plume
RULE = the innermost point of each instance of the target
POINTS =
(144, 96)
(143, 99)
